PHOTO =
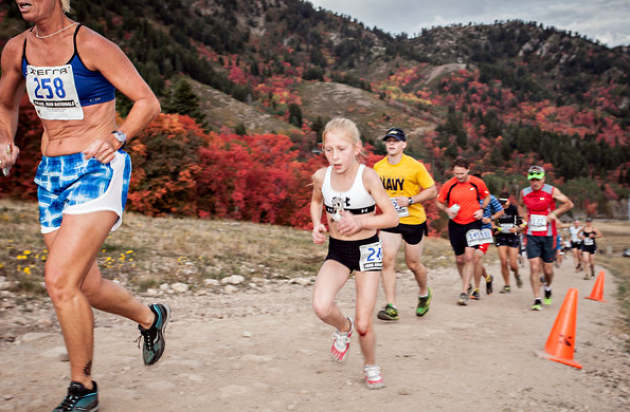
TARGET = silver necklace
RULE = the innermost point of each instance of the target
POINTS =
(57, 32)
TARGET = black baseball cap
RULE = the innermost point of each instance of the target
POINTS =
(396, 133)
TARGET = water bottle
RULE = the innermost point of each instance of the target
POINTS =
(455, 208)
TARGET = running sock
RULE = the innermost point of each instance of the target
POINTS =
(155, 320)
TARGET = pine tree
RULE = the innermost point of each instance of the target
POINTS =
(295, 115)
(183, 100)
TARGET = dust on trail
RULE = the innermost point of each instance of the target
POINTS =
(265, 350)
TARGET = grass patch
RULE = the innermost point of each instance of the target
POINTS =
(147, 252)
(616, 238)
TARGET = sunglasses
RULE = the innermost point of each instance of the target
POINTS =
(537, 176)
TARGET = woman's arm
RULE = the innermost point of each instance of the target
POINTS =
(102, 55)
(11, 92)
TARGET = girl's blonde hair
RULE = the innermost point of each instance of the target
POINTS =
(65, 6)
(349, 130)
(347, 126)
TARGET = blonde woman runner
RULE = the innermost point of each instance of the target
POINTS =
(70, 74)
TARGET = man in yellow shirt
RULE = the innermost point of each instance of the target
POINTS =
(408, 184)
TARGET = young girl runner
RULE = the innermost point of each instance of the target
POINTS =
(350, 192)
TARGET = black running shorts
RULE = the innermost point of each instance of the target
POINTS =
(507, 240)
(457, 235)
(348, 253)
(412, 234)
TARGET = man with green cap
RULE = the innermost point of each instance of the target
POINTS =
(537, 207)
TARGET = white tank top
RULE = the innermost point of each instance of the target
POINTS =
(357, 200)
(574, 234)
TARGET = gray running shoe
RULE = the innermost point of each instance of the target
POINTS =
(506, 289)
(79, 399)
(463, 299)
(519, 282)
(153, 338)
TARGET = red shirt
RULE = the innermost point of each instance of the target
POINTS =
(467, 195)
(539, 204)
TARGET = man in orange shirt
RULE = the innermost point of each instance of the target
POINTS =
(460, 199)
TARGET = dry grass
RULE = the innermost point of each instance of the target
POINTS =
(615, 240)
(146, 252)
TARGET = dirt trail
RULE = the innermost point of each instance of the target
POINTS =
(266, 351)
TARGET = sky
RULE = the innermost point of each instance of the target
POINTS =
(607, 21)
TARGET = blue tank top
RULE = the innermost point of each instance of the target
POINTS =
(92, 87)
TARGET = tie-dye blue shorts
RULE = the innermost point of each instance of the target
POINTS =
(70, 184)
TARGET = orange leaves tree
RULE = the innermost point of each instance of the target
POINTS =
(164, 159)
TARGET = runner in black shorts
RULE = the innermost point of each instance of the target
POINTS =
(508, 241)
(576, 244)
(408, 184)
(460, 199)
(411, 234)
(588, 233)
(350, 193)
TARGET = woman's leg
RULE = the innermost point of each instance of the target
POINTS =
(513, 258)
(72, 251)
(73, 282)
(586, 261)
(505, 272)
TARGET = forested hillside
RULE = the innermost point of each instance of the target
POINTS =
(504, 95)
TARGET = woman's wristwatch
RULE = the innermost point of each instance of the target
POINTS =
(120, 136)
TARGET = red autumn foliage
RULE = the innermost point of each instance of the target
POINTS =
(256, 178)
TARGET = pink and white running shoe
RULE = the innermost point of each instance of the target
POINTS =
(341, 343)
(373, 378)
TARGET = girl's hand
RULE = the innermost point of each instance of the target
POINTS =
(349, 224)
(318, 234)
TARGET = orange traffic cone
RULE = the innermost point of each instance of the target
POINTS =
(560, 345)
(598, 289)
